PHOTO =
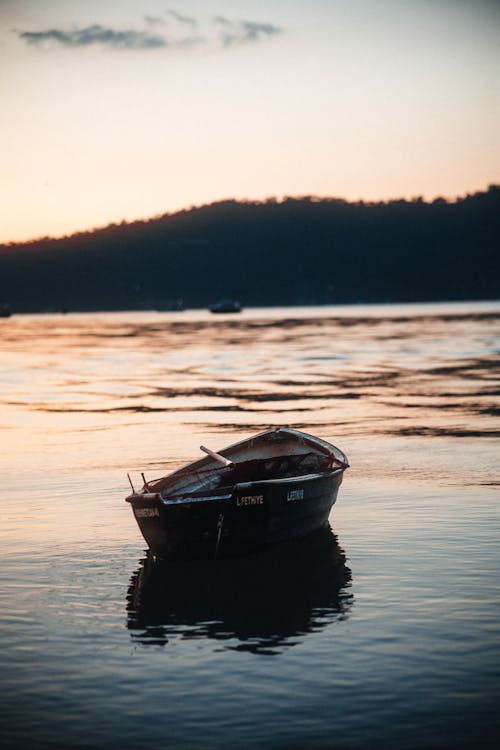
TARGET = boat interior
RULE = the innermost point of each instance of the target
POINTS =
(216, 479)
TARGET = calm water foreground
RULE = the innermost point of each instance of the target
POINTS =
(381, 633)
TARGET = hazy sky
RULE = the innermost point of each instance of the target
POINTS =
(120, 109)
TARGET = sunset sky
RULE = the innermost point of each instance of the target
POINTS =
(114, 110)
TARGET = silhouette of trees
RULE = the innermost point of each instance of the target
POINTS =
(298, 250)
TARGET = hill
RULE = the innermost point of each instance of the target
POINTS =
(295, 251)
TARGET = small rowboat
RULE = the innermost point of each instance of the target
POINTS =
(278, 485)
(225, 306)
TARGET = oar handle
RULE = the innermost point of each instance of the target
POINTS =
(216, 456)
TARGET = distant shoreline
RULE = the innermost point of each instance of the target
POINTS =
(300, 251)
(454, 308)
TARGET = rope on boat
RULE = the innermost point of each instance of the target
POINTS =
(220, 524)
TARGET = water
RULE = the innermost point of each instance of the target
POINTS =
(382, 633)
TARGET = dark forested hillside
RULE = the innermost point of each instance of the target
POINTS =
(296, 251)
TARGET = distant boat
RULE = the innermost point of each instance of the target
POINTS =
(278, 485)
(5, 311)
(225, 306)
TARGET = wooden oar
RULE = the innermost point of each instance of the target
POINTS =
(216, 456)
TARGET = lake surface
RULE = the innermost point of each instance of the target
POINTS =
(382, 632)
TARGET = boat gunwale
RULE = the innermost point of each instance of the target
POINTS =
(207, 464)
(232, 489)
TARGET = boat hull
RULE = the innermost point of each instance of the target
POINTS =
(252, 515)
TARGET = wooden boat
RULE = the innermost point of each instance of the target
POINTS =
(225, 306)
(275, 486)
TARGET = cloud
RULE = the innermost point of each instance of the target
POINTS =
(230, 33)
(106, 37)
(155, 20)
(223, 21)
(233, 33)
(253, 31)
(184, 19)
(96, 34)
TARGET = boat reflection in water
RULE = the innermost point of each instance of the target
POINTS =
(260, 603)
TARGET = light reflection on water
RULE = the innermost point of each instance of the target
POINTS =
(387, 637)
